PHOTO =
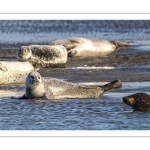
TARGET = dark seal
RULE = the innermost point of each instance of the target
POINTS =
(138, 101)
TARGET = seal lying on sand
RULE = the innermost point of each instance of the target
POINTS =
(84, 47)
(12, 72)
(51, 88)
(138, 101)
(43, 55)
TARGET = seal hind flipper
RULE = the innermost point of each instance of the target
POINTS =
(112, 85)
(3, 68)
(120, 44)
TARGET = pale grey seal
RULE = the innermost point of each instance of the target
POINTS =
(51, 88)
(12, 72)
(43, 55)
(138, 101)
(86, 47)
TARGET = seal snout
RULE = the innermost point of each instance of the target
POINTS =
(128, 100)
(125, 99)
(34, 78)
(20, 53)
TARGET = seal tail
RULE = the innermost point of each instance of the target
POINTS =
(121, 44)
(112, 85)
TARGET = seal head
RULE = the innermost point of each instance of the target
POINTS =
(24, 53)
(138, 101)
(34, 86)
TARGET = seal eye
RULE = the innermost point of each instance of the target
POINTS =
(38, 77)
(32, 77)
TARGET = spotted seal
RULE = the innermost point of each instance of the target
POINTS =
(138, 101)
(43, 55)
(51, 88)
(12, 72)
(86, 47)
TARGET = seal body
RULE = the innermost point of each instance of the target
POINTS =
(51, 88)
(84, 47)
(13, 72)
(43, 55)
(138, 101)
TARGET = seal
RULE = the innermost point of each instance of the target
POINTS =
(138, 101)
(43, 55)
(84, 47)
(14, 72)
(51, 88)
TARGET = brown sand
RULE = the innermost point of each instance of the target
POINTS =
(125, 73)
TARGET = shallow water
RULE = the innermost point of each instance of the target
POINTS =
(107, 113)
(108, 67)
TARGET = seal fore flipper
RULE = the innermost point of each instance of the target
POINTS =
(37, 63)
(72, 53)
(3, 68)
(76, 40)
(22, 97)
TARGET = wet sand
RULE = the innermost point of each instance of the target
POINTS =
(129, 64)
(128, 67)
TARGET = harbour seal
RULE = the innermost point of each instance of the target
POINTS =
(51, 88)
(12, 72)
(138, 101)
(86, 47)
(43, 55)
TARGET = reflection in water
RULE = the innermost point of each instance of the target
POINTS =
(110, 67)
(106, 67)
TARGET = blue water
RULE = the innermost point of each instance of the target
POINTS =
(107, 113)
